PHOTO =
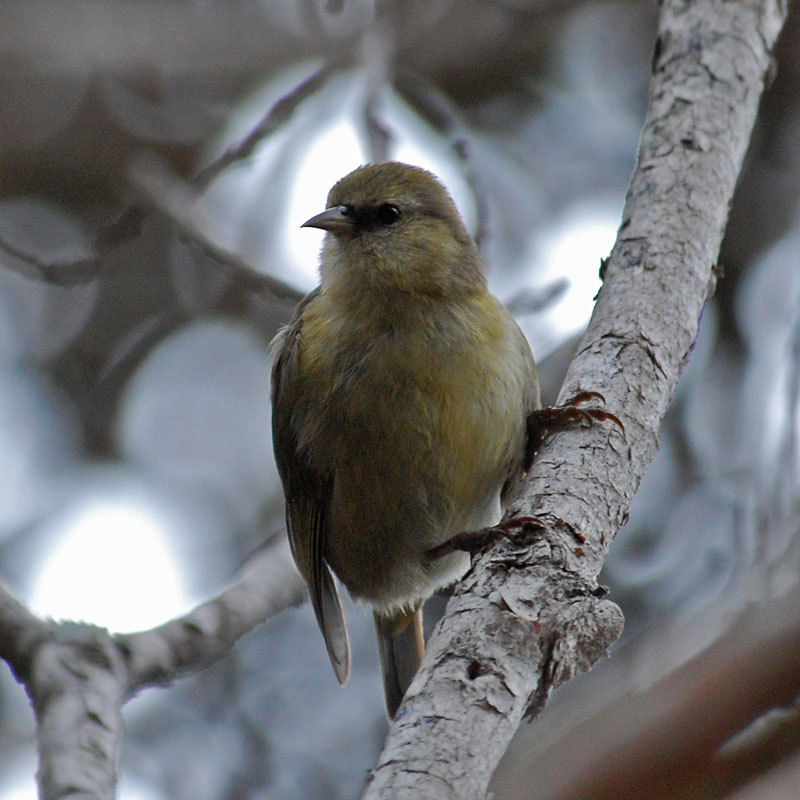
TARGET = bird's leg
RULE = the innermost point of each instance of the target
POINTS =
(475, 541)
(540, 423)
(545, 421)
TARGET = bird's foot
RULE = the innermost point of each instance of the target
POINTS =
(545, 421)
(475, 541)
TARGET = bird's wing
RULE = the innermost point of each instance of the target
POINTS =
(308, 493)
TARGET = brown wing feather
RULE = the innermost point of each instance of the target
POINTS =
(308, 493)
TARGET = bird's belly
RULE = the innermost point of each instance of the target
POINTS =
(425, 460)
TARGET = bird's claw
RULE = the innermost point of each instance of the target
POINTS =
(549, 420)
(476, 541)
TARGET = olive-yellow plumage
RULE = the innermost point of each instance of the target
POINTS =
(401, 389)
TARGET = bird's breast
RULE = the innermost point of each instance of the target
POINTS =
(431, 395)
(420, 424)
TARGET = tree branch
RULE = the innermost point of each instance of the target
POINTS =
(20, 633)
(277, 116)
(268, 584)
(440, 113)
(525, 620)
(179, 201)
(78, 676)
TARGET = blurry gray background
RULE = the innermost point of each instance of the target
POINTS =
(135, 316)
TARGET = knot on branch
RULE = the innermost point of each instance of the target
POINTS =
(582, 628)
(555, 621)
(70, 656)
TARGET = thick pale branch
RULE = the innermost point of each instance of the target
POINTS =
(524, 621)
(77, 686)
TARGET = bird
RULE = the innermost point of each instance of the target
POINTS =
(401, 394)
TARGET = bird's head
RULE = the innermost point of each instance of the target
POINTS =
(392, 226)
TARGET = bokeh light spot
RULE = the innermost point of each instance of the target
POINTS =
(335, 149)
(572, 248)
(111, 565)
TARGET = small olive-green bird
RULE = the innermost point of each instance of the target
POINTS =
(400, 392)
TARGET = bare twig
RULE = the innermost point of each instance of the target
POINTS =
(445, 118)
(530, 300)
(180, 202)
(66, 273)
(377, 49)
(277, 116)
(71, 273)
(268, 584)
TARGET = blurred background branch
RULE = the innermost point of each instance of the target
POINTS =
(179, 201)
(268, 584)
(78, 676)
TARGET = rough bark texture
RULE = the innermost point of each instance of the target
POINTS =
(527, 619)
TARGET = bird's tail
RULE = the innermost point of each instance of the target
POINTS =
(401, 646)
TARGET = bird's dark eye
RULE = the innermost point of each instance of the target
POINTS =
(387, 214)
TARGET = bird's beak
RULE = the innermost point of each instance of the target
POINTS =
(336, 220)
